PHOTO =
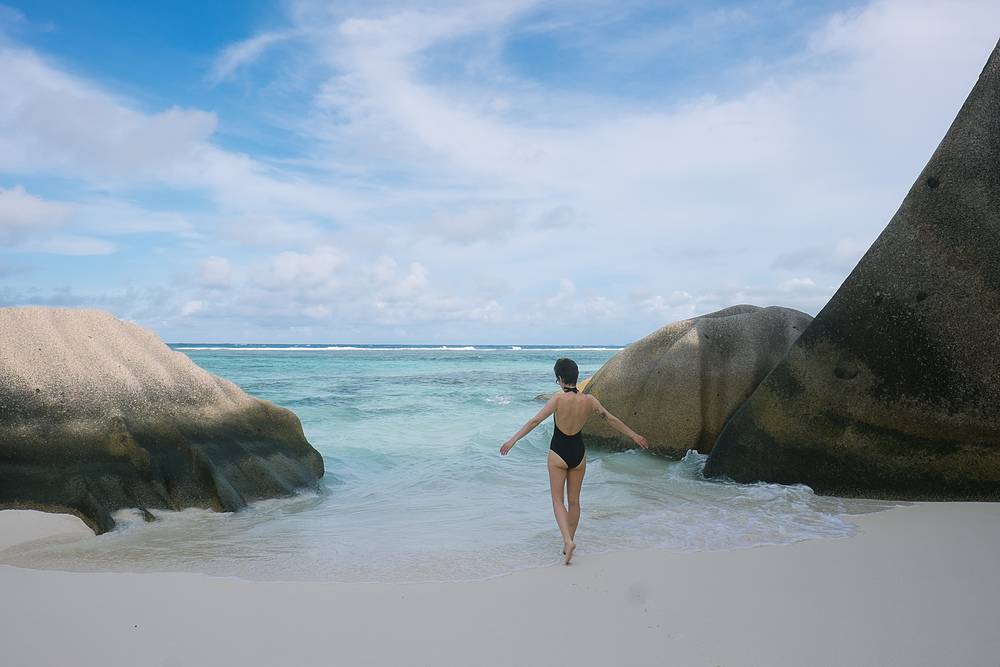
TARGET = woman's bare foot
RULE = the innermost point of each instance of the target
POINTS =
(568, 549)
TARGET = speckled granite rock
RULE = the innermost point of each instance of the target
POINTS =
(894, 390)
(97, 414)
(678, 386)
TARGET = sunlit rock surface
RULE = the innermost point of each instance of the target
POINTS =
(678, 386)
(97, 414)
(894, 390)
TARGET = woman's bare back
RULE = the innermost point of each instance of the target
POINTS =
(572, 409)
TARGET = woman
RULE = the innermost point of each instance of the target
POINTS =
(567, 459)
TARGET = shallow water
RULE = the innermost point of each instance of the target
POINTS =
(416, 490)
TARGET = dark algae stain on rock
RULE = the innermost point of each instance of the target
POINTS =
(97, 415)
(896, 343)
(893, 391)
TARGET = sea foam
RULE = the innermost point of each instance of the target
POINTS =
(416, 490)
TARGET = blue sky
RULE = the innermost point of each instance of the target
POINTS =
(461, 172)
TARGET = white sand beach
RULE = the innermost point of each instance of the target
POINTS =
(919, 586)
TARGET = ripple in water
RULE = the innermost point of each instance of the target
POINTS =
(631, 501)
(416, 490)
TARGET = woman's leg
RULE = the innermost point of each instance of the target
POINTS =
(558, 474)
(574, 482)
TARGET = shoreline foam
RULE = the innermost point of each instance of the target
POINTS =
(315, 539)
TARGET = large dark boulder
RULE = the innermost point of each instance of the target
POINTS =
(679, 385)
(97, 414)
(894, 390)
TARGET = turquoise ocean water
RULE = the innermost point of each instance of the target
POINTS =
(415, 488)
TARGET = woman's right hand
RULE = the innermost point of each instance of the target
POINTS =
(641, 441)
(506, 447)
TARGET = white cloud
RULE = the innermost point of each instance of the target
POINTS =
(474, 224)
(321, 287)
(270, 231)
(768, 150)
(557, 217)
(53, 122)
(797, 284)
(243, 53)
(108, 215)
(799, 293)
(65, 244)
(838, 256)
(491, 286)
(408, 288)
(29, 223)
(380, 92)
(384, 270)
(216, 273)
(191, 307)
(317, 312)
(567, 290)
(676, 306)
(298, 270)
(24, 216)
(391, 288)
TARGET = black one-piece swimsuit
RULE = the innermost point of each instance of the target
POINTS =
(567, 447)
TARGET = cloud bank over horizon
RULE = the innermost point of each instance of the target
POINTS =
(476, 172)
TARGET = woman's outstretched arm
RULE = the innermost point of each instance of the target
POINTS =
(617, 423)
(549, 408)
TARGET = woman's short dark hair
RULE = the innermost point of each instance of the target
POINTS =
(567, 370)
